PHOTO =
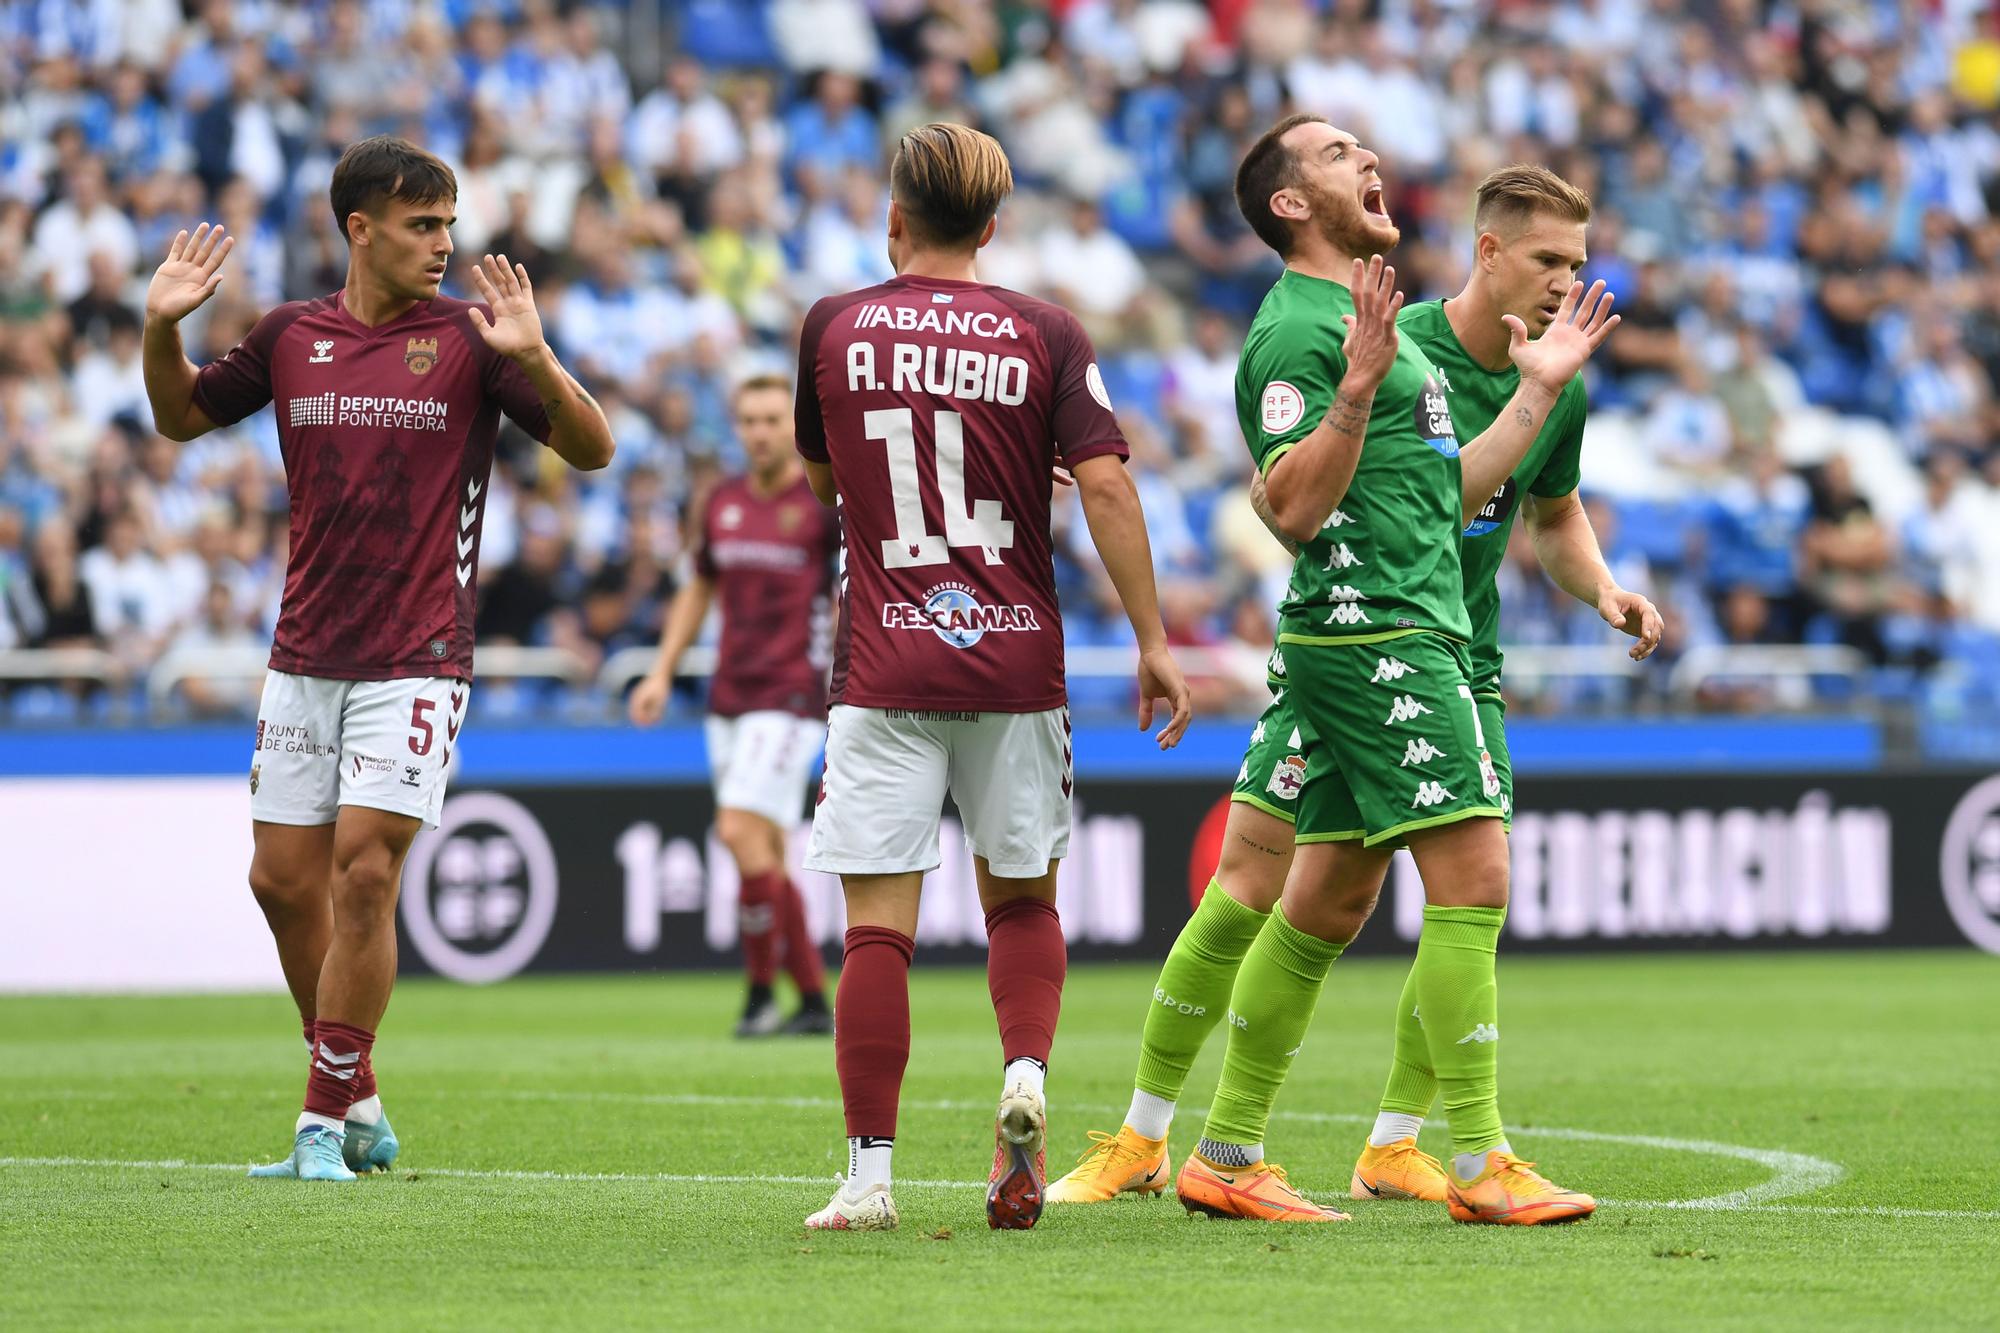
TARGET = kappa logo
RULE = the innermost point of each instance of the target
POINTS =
(1257, 733)
(1288, 777)
(1341, 558)
(1344, 592)
(322, 352)
(1481, 1033)
(1242, 775)
(1276, 666)
(1407, 708)
(1391, 669)
(1420, 751)
(1347, 613)
(1336, 519)
(1429, 794)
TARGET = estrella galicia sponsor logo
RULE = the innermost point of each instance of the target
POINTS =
(1433, 418)
(480, 890)
(955, 614)
(1497, 511)
(1969, 864)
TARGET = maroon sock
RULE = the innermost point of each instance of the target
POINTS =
(757, 923)
(306, 1025)
(802, 960)
(871, 1028)
(1025, 962)
(339, 1054)
(364, 1082)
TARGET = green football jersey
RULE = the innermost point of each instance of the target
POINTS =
(1386, 562)
(1550, 468)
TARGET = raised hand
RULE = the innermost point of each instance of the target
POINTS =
(1370, 346)
(1636, 616)
(1160, 678)
(1583, 321)
(515, 329)
(190, 275)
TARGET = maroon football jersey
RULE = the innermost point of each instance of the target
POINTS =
(942, 406)
(771, 560)
(388, 440)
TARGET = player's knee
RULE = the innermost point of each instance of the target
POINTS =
(282, 893)
(748, 838)
(364, 891)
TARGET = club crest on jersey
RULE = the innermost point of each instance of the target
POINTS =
(255, 771)
(1288, 776)
(420, 354)
(955, 614)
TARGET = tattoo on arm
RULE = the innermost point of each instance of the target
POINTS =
(1523, 417)
(1348, 416)
(1252, 843)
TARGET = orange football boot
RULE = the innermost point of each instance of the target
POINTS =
(1509, 1193)
(1260, 1192)
(1398, 1170)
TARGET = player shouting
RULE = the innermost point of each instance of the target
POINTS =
(1531, 243)
(388, 399)
(768, 548)
(932, 408)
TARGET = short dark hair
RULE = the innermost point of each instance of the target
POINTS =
(386, 167)
(949, 180)
(1267, 168)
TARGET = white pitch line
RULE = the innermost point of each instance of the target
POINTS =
(676, 1178)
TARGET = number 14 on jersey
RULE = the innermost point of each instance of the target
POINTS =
(979, 523)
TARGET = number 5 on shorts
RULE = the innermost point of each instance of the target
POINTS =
(422, 733)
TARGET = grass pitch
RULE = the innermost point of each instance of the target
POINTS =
(599, 1153)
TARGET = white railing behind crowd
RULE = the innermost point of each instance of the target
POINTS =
(1529, 667)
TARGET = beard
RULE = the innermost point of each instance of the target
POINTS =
(1344, 224)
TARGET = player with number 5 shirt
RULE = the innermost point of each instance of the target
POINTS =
(933, 408)
(388, 398)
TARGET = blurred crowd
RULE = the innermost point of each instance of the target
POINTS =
(1796, 206)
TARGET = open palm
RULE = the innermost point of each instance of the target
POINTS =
(1583, 321)
(191, 273)
(515, 328)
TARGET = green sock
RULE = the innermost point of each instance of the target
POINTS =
(1193, 990)
(1269, 1012)
(1412, 1084)
(1460, 1002)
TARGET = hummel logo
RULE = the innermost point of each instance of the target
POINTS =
(322, 351)
(1482, 1033)
(1420, 751)
(1389, 669)
(1334, 520)
(1405, 709)
(1430, 793)
(1347, 613)
(1341, 558)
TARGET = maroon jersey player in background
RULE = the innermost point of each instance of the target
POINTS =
(766, 546)
(388, 399)
(933, 408)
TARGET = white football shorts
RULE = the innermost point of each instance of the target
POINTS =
(383, 744)
(888, 770)
(762, 763)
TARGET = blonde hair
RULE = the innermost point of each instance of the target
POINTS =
(948, 180)
(758, 383)
(1512, 196)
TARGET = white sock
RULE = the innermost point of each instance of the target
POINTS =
(1466, 1165)
(1389, 1127)
(307, 1118)
(367, 1111)
(1150, 1116)
(867, 1164)
(1024, 1070)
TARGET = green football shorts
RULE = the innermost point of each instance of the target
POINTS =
(1394, 739)
(1274, 763)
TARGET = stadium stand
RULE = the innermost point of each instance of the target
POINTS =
(1792, 439)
